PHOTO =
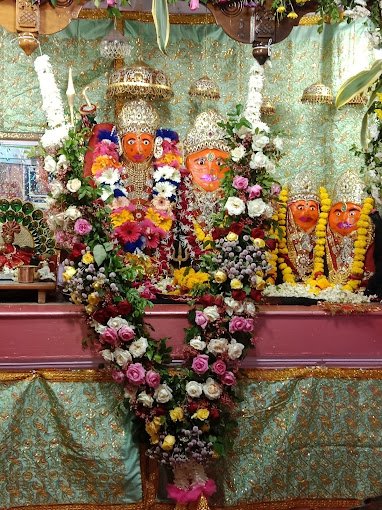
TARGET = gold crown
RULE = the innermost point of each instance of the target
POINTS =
(303, 187)
(137, 117)
(205, 134)
(349, 187)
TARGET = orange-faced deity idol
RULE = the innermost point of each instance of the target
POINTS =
(206, 153)
(301, 210)
(349, 239)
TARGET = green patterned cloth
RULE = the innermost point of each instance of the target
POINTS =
(65, 443)
(311, 438)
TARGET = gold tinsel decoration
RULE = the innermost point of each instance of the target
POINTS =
(139, 81)
(318, 93)
(205, 88)
(359, 99)
(267, 107)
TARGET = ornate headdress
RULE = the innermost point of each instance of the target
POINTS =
(137, 116)
(303, 187)
(349, 187)
(205, 134)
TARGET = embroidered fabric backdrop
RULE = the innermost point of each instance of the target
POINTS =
(317, 137)
(311, 434)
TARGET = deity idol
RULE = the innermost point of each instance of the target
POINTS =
(141, 188)
(299, 212)
(200, 193)
(350, 232)
(12, 255)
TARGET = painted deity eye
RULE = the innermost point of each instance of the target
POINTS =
(131, 141)
(338, 214)
(201, 161)
(352, 213)
(300, 207)
(220, 162)
(146, 142)
(312, 208)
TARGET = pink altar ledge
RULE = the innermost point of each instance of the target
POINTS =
(50, 335)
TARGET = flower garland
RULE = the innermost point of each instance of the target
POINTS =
(286, 271)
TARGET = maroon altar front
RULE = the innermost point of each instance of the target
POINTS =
(50, 335)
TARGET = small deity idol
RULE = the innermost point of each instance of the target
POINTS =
(200, 193)
(12, 255)
(299, 212)
(350, 232)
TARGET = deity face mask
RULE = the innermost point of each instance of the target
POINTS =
(305, 214)
(208, 168)
(343, 218)
(138, 147)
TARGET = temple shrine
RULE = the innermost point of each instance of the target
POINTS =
(190, 255)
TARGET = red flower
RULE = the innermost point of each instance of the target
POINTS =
(207, 300)
(271, 243)
(257, 233)
(129, 232)
(239, 295)
(101, 316)
(192, 407)
(76, 251)
(124, 308)
(214, 413)
(218, 233)
(255, 295)
(237, 228)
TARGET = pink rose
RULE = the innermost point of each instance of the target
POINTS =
(109, 336)
(254, 191)
(219, 367)
(228, 379)
(126, 333)
(241, 324)
(82, 227)
(240, 182)
(200, 364)
(152, 378)
(201, 319)
(136, 373)
(118, 376)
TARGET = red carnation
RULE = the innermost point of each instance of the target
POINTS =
(124, 308)
(271, 243)
(207, 300)
(77, 251)
(192, 407)
(218, 233)
(255, 295)
(214, 413)
(237, 228)
(257, 233)
(101, 316)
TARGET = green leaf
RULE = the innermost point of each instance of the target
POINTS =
(108, 246)
(161, 18)
(358, 84)
(99, 253)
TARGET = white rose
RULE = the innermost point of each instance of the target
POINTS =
(145, 400)
(130, 392)
(163, 394)
(234, 206)
(62, 162)
(258, 160)
(212, 389)
(122, 357)
(258, 126)
(73, 185)
(50, 164)
(268, 213)
(197, 343)
(211, 312)
(99, 328)
(217, 345)
(270, 166)
(237, 153)
(117, 322)
(259, 141)
(235, 349)
(194, 389)
(138, 347)
(72, 213)
(250, 308)
(233, 305)
(256, 207)
(56, 220)
(56, 188)
(107, 355)
(278, 143)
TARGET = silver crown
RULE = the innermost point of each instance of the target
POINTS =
(205, 134)
(349, 187)
(137, 117)
(303, 187)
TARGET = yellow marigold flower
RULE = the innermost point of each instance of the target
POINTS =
(201, 414)
(220, 276)
(199, 232)
(103, 162)
(87, 258)
(121, 217)
(69, 273)
(378, 111)
(231, 236)
(287, 270)
(168, 443)
(292, 15)
(158, 220)
(236, 284)
(176, 414)
(326, 201)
